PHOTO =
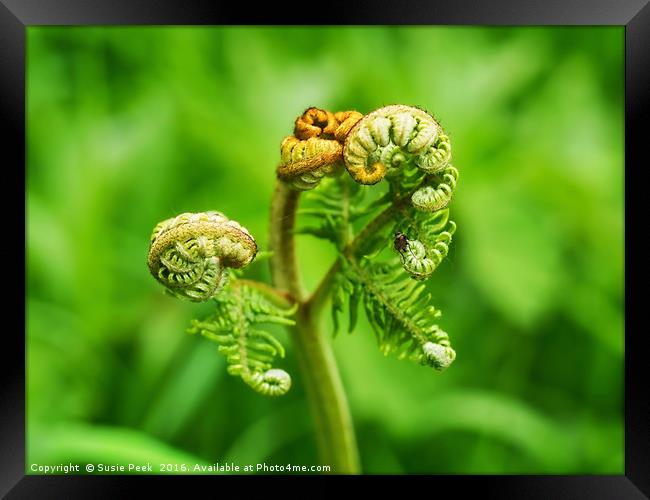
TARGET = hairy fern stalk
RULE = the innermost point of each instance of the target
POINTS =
(378, 188)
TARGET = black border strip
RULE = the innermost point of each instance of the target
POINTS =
(12, 132)
(15, 15)
(637, 367)
(503, 12)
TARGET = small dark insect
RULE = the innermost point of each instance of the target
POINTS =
(401, 243)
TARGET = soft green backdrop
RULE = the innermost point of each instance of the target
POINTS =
(128, 126)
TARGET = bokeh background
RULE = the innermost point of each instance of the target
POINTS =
(128, 126)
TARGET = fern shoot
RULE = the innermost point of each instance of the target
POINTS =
(377, 187)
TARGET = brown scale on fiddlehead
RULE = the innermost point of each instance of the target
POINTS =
(189, 254)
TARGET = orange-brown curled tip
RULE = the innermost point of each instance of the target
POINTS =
(315, 122)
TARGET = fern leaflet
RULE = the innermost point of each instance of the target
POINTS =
(399, 311)
(249, 350)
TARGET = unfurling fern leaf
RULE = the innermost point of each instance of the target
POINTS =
(432, 199)
(400, 312)
(249, 350)
(383, 142)
(420, 260)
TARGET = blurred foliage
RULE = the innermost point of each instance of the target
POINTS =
(128, 126)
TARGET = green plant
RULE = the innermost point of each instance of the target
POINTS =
(388, 239)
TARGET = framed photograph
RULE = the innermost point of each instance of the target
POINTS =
(390, 244)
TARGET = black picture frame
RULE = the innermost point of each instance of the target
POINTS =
(16, 15)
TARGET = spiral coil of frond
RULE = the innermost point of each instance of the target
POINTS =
(383, 142)
(432, 199)
(315, 148)
(189, 254)
(420, 260)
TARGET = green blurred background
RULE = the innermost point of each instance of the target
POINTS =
(128, 126)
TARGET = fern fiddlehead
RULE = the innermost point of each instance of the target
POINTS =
(314, 150)
(192, 254)
(420, 260)
(189, 253)
(432, 199)
(307, 161)
(383, 142)
(407, 147)
(315, 122)
(414, 258)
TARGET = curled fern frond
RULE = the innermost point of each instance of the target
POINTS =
(432, 199)
(420, 261)
(437, 355)
(383, 142)
(437, 156)
(408, 147)
(189, 254)
(315, 122)
(314, 150)
(273, 382)
(249, 350)
(306, 162)
(413, 255)
(422, 240)
(400, 313)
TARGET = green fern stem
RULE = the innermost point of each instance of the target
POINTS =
(284, 265)
(328, 402)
